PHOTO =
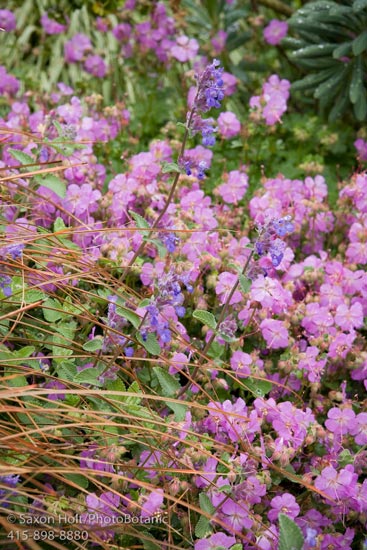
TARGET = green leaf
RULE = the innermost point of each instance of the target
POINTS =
(168, 383)
(290, 535)
(55, 184)
(48, 310)
(216, 350)
(245, 283)
(150, 344)
(78, 479)
(131, 316)
(21, 157)
(58, 127)
(66, 370)
(170, 167)
(179, 410)
(360, 43)
(357, 89)
(89, 376)
(203, 528)
(140, 221)
(116, 385)
(259, 388)
(133, 399)
(206, 318)
(94, 345)
(360, 108)
(359, 5)
(206, 504)
(330, 86)
(59, 225)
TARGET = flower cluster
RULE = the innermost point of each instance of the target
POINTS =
(272, 103)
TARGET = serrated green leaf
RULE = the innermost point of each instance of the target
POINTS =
(259, 388)
(168, 383)
(203, 528)
(133, 399)
(205, 317)
(78, 479)
(31, 296)
(360, 43)
(140, 221)
(89, 376)
(206, 504)
(48, 310)
(168, 167)
(66, 370)
(245, 283)
(21, 157)
(131, 316)
(55, 184)
(290, 535)
(178, 409)
(94, 345)
(150, 344)
(116, 385)
(26, 351)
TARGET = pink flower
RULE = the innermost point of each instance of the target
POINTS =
(349, 318)
(224, 286)
(235, 187)
(185, 48)
(338, 485)
(274, 333)
(275, 31)
(152, 503)
(50, 26)
(361, 147)
(95, 65)
(75, 48)
(229, 125)
(7, 20)
(240, 363)
(283, 504)
(340, 420)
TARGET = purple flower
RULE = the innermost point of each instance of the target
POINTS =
(340, 421)
(275, 31)
(10, 481)
(240, 364)
(8, 83)
(338, 485)
(236, 515)
(229, 125)
(285, 504)
(152, 504)
(218, 540)
(75, 48)
(7, 20)
(92, 462)
(274, 333)
(361, 147)
(185, 48)
(95, 65)
(50, 26)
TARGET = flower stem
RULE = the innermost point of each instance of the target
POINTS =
(221, 318)
(170, 197)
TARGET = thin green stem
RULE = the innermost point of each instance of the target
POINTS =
(220, 320)
(168, 201)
